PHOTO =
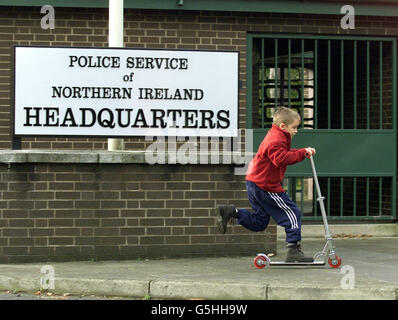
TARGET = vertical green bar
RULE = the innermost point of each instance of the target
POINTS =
(355, 84)
(341, 195)
(315, 196)
(380, 194)
(262, 74)
(289, 64)
(294, 189)
(367, 84)
(249, 80)
(302, 195)
(342, 83)
(355, 198)
(367, 196)
(394, 121)
(302, 83)
(316, 84)
(328, 200)
(276, 72)
(329, 83)
(381, 84)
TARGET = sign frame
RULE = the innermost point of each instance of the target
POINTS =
(16, 137)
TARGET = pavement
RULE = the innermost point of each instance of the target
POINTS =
(369, 271)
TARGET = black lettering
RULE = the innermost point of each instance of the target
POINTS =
(174, 118)
(106, 123)
(173, 63)
(190, 121)
(116, 93)
(107, 93)
(115, 62)
(94, 62)
(140, 117)
(221, 119)
(126, 93)
(56, 92)
(95, 92)
(183, 64)
(67, 92)
(106, 64)
(82, 61)
(207, 116)
(130, 62)
(177, 95)
(165, 94)
(85, 90)
(159, 62)
(72, 60)
(148, 92)
(69, 118)
(119, 117)
(140, 62)
(198, 94)
(93, 117)
(149, 63)
(34, 116)
(158, 93)
(51, 113)
(187, 94)
(91, 92)
(158, 117)
(76, 92)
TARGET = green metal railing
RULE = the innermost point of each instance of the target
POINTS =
(346, 198)
(345, 90)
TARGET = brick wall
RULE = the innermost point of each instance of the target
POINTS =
(154, 29)
(60, 212)
(93, 211)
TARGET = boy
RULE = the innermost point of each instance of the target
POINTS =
(263, 183)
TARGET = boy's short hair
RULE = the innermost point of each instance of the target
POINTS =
(285, 115)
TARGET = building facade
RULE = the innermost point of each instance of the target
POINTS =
(66, 198)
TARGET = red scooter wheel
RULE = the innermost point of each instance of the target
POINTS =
(335, 263)
(260, 262)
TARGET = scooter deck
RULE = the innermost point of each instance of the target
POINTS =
(296, 264)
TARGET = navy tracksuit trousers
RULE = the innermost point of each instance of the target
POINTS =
(267, 204)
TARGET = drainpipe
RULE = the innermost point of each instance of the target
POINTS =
(116, 18)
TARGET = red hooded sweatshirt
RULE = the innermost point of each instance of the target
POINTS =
(268, 167)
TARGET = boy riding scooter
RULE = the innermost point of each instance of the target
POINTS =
(263, 183)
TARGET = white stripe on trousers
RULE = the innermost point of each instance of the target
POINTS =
(281, 204)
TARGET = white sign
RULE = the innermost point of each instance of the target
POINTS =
(124, 92)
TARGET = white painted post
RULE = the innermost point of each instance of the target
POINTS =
(116, 31)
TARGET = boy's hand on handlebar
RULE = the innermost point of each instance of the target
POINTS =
(310, 152)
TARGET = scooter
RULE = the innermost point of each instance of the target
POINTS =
(321, 259)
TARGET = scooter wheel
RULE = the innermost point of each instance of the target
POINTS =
(335, 263)
(260, 262)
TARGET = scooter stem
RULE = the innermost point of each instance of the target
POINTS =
(320, 200)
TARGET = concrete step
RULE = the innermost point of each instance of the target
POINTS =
(346, 230)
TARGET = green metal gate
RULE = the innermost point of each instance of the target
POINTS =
(345, 91)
